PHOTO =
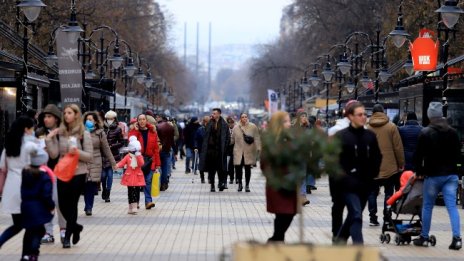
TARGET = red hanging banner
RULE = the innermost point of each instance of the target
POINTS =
(424, 51)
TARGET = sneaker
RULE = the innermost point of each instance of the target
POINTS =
(374, 223)
(62, 234)
(456, 244)
(421, 241)
(47, 239)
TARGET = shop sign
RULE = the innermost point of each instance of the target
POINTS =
(424, 51)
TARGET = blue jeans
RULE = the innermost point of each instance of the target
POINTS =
(165, 158)
(147, 188)
(89, 194)
(303, 188)
(188, 159)
(448, 185)
(355, 203)
(310, 180)
(107, 178)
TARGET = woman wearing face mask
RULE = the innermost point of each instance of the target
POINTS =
(19, 142)
(73, 138)
(116, 141)
(100, 146)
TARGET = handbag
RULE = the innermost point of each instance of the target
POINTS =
(146, 167)
(66, 167)
(155, 184)
(247, 138)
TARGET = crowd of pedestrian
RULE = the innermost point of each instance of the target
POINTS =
(374, 153)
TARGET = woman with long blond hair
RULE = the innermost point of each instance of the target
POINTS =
(71, 137)
(281, 202)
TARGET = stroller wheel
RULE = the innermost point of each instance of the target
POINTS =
(433, 240)
(382, 238)
(387, 238)
(397, 240)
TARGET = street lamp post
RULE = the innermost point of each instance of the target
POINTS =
(31, 10)
(328, 75)
(448, 14)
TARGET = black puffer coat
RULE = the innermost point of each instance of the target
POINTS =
(115, 140)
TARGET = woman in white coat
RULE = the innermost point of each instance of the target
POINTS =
(245, 154)
(20, 141)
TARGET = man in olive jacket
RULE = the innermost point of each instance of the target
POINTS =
(393, 162)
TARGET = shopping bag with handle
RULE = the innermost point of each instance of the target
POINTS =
(155, 184)
(66, 166)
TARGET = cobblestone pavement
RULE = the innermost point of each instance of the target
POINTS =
(191, 223)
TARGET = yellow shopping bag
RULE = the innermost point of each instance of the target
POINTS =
(155, 184)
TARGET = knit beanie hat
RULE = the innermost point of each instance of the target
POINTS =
(134, 144)
(111, 115)
(435, 110)
(39, 157)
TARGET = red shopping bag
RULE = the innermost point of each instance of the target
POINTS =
(66, 167)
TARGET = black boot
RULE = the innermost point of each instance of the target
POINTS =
(107, 198)
(67, 239)
(104, 194)
(212, 188)
(456, 244)
(240, 187)
(247, 188)
(77, 234)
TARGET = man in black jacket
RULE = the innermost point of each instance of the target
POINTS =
(360, 160)
(213, 157)
(436, 158)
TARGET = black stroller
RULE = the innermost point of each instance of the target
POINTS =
(409, 203)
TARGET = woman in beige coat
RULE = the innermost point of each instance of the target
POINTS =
(101, 148)
(245, 155)
(71, 137)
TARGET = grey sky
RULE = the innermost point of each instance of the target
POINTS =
(233, 21)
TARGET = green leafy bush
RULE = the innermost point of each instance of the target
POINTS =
(287, 158)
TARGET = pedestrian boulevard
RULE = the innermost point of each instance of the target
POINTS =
(191, 223)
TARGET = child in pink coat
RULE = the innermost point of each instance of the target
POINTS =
(133, 177)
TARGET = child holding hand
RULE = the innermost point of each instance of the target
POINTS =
(133, 177)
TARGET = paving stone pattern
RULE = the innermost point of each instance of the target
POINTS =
(191, 223)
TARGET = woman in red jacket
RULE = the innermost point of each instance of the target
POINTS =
(148, 138)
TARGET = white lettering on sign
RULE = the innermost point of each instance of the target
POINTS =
(70, 85)
(72, 100)
(72, 71)
(424, 59)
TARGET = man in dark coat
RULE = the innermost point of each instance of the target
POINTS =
(360, 161)
(409, 135)
(213, 157)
